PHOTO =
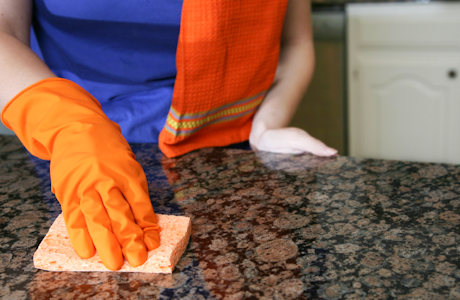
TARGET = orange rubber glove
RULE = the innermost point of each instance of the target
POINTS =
(101, 187)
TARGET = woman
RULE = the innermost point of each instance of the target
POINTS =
(123, 54)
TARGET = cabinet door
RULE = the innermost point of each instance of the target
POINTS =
(404, 94)
(406, 108)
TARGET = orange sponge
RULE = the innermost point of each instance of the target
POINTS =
(55, 253)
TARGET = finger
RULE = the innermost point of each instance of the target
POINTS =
(138, 199)
(144, 215)
(315, 146)
(100, 229)
(78, 231)
(151, 239)
(296, 140)
(128, 233)
(288, 140)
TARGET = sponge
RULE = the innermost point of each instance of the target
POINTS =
(55, 252)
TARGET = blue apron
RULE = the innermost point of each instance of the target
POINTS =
(122, 52)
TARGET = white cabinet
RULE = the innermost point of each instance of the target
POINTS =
(404, 81)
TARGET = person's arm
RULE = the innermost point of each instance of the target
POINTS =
(295, 69)
(21, 67)
(101, 187)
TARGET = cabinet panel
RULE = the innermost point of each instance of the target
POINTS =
(410, 31)
(404, 111)
(405, 24)
(403, 81)
(409, 122)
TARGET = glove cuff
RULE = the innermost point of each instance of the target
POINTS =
(36, 113)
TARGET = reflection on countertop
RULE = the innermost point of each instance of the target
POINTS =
(267, 226)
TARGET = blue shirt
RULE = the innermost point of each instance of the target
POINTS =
(121, 51)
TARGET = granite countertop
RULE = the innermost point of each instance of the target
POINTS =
(266, 226)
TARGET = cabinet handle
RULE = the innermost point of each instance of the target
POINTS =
(452, 74)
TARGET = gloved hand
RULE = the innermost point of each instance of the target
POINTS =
(288, 140)
(101, 187)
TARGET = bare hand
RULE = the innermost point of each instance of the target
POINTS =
(289, 140)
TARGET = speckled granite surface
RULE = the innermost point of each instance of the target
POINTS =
(265, 227)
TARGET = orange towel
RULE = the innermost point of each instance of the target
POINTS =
(226, 61)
